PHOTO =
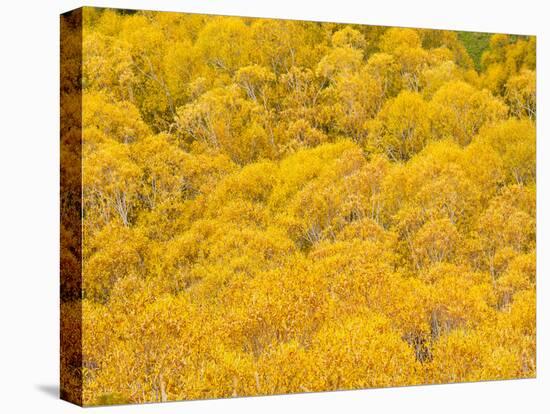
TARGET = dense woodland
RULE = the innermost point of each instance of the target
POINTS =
(277, 206)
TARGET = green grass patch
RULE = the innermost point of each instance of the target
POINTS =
(475, 43)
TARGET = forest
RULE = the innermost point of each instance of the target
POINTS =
(276, 206)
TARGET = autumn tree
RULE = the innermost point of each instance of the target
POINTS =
(275, 206)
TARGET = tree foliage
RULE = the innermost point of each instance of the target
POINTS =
(274, 206)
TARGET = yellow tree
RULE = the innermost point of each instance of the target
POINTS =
(521, 94)
(111, 181)
(505, 58)
(515, 142)
(223, 119)
(401, 128)
(458, 111)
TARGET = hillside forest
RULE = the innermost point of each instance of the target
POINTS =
(276, 206)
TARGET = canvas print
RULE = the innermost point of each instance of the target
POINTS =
(254, 206)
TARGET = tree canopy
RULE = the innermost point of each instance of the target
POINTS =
(277, 206)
